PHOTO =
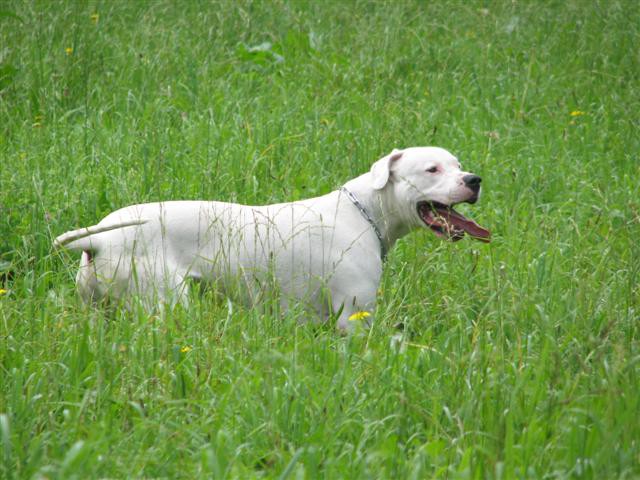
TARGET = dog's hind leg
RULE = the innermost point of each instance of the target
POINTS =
(163, 293)
(87, 279)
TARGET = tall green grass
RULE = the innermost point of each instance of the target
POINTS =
(520, 359)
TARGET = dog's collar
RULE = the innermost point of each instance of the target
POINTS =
(367, 217)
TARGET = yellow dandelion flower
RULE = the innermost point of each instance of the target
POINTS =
(68, 50)
(577, 113)
(95, 17)
(3, 291)
(358, 316)
(186, 349)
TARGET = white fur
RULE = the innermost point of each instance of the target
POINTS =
(320, 252)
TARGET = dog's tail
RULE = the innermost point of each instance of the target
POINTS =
(82, 238)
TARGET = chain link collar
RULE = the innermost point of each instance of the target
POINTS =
(367, 217)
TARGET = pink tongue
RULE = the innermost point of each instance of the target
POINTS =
(463, 223)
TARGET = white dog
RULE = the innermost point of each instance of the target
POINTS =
(326, 252)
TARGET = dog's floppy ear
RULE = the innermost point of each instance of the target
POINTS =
(381, 170)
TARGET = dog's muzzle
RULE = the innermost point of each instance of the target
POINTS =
(472, 182)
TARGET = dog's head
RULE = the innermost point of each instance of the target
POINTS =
(426, 183)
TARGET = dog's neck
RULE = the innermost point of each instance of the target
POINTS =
(384, 212)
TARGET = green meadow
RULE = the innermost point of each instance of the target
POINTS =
(519, 358)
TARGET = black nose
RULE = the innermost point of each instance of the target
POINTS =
(472, 181)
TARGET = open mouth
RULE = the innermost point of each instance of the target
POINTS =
(447, 223)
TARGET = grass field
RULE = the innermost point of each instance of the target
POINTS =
(521, 358)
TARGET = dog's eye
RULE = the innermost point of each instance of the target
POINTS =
(432, 169)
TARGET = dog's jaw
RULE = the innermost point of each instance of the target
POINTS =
(447, 223)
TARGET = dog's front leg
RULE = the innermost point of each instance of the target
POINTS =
(350, 320)
(356, 309)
